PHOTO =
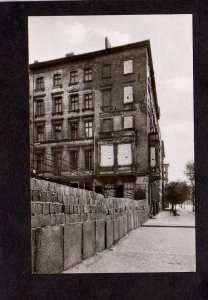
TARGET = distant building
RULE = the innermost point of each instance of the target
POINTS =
(95, 122)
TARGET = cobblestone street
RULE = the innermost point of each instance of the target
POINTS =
(164, 244)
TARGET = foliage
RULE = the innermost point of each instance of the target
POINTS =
(176, 192)
(189, 172)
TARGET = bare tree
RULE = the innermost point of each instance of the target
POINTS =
(190, 174)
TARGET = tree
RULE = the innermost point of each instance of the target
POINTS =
(176, 192)
(190, 174)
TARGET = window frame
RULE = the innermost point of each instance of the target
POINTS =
(57, 163)
(87, 129)
(38, 126)
(57, 81)
(74, 166)
(88, 75)
(71, 101)
(89, 160)
(111, 124)
(76, 136)
(59, 105)
(75, 76)
(110, 99)
(128, 128)
(88, 97)
(128, 102)
(55, 132)
(39, 110)
(40, 85)
(40, 168)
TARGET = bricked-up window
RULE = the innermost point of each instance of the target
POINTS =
(106, 98)
(88, 101)
(106, 156)
(152, 157)
(107, 125)
(56, 79)
(89, 159)
(124, 154)
(40, 132)
(128, 66)
(74, 102)
(74, 159)
(40, 107)
(106, 71)
(40, 157)
(88, 75)
(74, 130)
(128, 94)
(58, 131)
(57, 161)
(57, 105)
(128, 122)
(39, 83)
(74, 77)
(88, 128)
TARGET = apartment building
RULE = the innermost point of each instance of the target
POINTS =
(95, 122)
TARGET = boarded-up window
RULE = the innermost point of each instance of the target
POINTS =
(106, 71)
(107, 125)
(152, 156)
(128, 66)
(128, 122)
(107, 156)
(117, 123)
(128, 94)
(124, 154)
(106, 97)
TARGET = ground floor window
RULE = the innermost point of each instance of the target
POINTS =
(109, 190)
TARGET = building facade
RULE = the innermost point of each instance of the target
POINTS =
(95, 122)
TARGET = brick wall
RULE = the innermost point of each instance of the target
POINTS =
(70, 224)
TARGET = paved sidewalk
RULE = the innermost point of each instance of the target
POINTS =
(149, 249)
(186, 218)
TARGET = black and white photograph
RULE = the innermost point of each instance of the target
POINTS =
(112, 144)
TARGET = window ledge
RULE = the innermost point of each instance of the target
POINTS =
(58, 86)
(72, 83)
(85, 109)
(76, 110)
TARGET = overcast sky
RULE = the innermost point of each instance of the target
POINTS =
(171, 43)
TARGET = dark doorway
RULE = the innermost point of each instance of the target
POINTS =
(119, 191)
(99, 189)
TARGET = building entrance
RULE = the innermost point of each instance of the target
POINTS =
(119, 191)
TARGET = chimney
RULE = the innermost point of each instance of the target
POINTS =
(107, 43)
(36, 61)
(69, 54)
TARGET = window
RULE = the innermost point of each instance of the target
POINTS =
(128, 66)
(57, 161)
(89, 159)
(128, 94)
(152, 157)
(74, 77)
(128, 122)
(88, 75)
(74, 159)
(40, 162)
(88, 101)
(74, 102)
(117, 123)
(106, 71)
(88, 129)
(124, 154)
(106, 98)
(58, 105)
(107, 125)
(40, 108)
(129, 185)
(106, 156)
(40, 133)
(56, 79)
(39, 83)
(58, 131)
(74, 130)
